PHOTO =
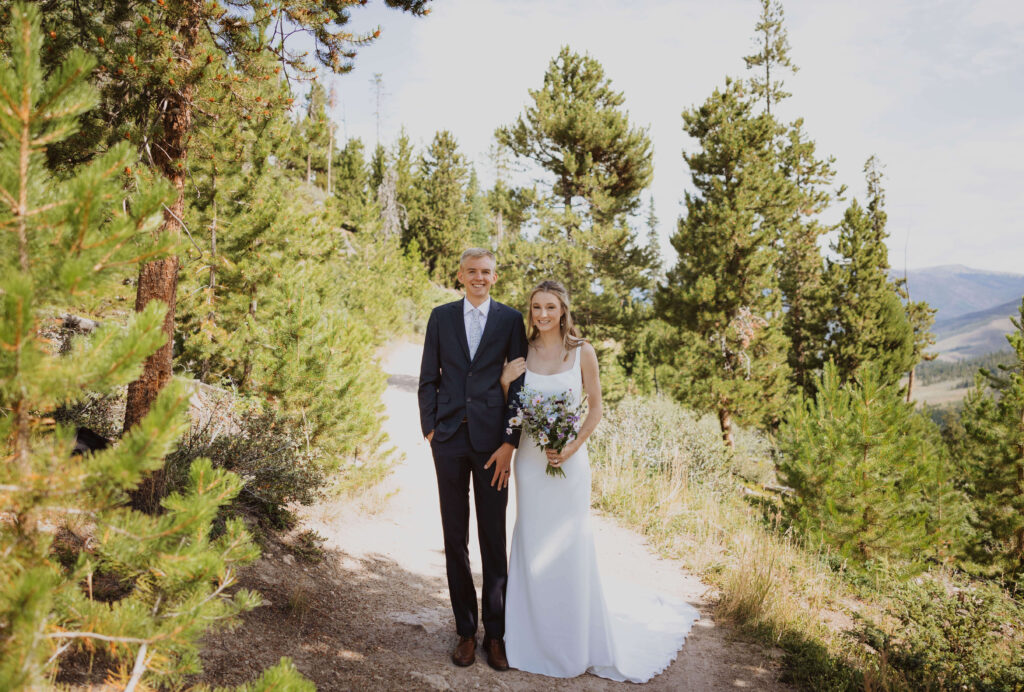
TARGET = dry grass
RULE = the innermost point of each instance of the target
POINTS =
(666, 473)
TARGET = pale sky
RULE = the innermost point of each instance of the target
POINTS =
(933, 88)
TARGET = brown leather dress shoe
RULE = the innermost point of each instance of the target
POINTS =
(495, 649)
(465, 652)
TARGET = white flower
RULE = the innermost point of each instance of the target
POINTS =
(508, 431)
(543, 439)
(515, 421)
(552, 419)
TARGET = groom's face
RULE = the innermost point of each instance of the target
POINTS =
(477, 276)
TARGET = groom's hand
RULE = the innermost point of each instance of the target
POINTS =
(502, 460)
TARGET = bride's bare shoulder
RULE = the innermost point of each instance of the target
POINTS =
(588, 352)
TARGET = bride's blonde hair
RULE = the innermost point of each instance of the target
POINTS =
(570, 334)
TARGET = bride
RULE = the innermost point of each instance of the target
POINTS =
(561, 620)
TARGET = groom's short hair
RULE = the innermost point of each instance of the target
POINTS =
(475, 253)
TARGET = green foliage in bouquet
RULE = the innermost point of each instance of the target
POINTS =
(61, 241)
(870, 475)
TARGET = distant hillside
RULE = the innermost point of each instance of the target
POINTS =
(956, 290)
(976, 333)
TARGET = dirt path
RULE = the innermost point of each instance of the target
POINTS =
(375, 614)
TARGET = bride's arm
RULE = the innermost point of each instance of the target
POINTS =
(512, 370)
(592, 388)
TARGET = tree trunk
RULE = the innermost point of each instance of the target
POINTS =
(212, 283)
(309, 166)
(910, 383)
(158, 280)
(247, 369)
(330, 155)
(725, 421)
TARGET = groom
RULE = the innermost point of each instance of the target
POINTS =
(463, 415)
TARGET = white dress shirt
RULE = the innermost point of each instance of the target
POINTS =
(484, 308)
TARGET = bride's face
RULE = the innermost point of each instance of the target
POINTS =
(545, 311)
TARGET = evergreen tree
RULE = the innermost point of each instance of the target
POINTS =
(722, 296)
(63, 243)
(154, 61)
(801, 267)
(800, 264)
(870, 474)
(921, 317)
(867, 319)
(479, 219)
(772, 55)
(511, 208)
(993, 454)
(392, 179)
(354, 197)
(440, 228)
(576, 131)
(315, 133)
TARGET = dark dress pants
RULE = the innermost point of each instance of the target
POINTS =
(456, 461)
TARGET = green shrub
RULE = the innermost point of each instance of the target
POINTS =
(966, 636)
(268, 453)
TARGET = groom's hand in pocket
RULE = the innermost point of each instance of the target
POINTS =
(502, 460)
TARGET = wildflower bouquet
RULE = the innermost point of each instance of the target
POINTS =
(552, 419)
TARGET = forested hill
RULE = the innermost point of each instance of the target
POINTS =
(955, 290)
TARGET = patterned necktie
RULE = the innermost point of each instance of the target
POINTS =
(474, 332)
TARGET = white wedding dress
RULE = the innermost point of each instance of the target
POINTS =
(559, 621)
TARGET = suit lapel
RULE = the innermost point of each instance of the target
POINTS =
(489, 327)
(459, 326)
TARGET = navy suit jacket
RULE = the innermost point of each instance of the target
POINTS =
(453, 387)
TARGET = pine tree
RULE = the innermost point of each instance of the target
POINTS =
(439, 227)
(479, 222)
(353, 196)
(155, 61)
(921, 317)
(722, 296)
(772, 54)
(993, 454)
(867, 321)
(576, 130)
(598, 164)
(800, 263)
(64, 240)
(870, 474)
(801, 266)
(314, 134)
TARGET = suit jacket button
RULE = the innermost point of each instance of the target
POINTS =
(470, 373)
(468, 399)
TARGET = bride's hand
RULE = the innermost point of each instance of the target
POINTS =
(512, 370)
(556, 459)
